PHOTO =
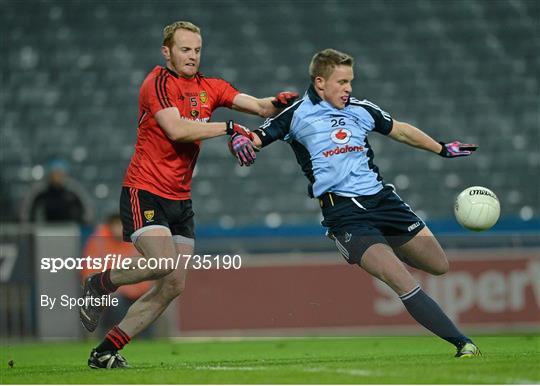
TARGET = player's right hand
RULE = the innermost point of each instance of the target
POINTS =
(235, 128)
(284, 99)
(243, 149)
(456, 149)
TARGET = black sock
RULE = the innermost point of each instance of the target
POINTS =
(115, 340)
(428, 313)
(102, 283)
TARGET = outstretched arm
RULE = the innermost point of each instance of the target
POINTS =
(412, 136)
(178, 129)
(263, 107)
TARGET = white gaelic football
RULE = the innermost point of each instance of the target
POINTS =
(477, 208)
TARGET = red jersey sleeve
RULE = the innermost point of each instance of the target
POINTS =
(226, 93)
(161, 92)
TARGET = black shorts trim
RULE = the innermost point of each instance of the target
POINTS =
(140, 208)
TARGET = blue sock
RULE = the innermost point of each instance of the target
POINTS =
(428, 313)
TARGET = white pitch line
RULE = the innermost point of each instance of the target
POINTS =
(525, 382)
(229, 368)
(355, 372)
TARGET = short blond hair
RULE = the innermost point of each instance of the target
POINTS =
(168, 31)
(323, 62)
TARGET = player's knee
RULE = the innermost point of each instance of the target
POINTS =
(160, 273)
(396, 276)
(441, 267)
(173, 288)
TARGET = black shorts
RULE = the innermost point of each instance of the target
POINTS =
(357, 223)
(139, 208)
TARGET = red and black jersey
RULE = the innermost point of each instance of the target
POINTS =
(159, 165)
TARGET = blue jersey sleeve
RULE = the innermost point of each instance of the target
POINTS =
(382, 121)
(277, 127)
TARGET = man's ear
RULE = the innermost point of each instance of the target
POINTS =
(319, 82)
(166, 52)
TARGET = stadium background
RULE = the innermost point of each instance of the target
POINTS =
(464, 70)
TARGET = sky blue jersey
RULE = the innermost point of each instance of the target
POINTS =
(331, 145)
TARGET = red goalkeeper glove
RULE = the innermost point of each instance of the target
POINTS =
(456, 149)
(284, 99)
(235, 128)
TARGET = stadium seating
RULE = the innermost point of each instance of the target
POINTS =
(459, 69)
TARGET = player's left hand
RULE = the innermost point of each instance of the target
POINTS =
(243, 149)
(284, 99)
(456, 149)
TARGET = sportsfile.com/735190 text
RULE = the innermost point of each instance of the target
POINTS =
(113, 261)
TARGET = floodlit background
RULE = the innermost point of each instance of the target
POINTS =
(467, 70)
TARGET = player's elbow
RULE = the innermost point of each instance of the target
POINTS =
(176, 130)
(173, 137)
(177, 136)
(403, 135)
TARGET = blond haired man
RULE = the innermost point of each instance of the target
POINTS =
(369, 223)
(175, 104)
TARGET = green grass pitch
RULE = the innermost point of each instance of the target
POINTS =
(506, 360)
